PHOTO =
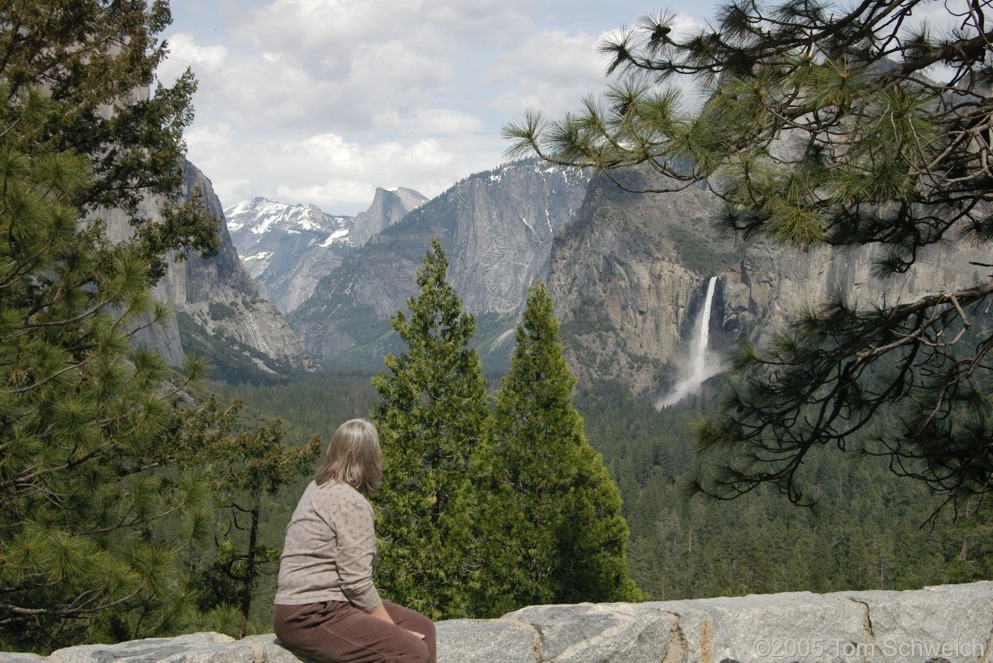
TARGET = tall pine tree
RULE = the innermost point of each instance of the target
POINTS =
(88, 511)
(431, 420)
(558, 535)
(83, 418)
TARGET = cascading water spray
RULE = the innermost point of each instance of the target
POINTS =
(700, 368)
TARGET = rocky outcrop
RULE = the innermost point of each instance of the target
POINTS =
(216, 294)
(248, 318)
(387, 208)
(628, 273)
(945, 624)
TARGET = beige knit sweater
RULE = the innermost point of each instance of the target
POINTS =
(329, 549)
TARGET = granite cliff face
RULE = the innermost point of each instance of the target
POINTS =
(496, 228)
(771, 284)
(216, 302)
(628, 279)
(387, 208)
(628, 276)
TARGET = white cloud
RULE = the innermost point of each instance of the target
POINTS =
(334, 173)
(429, 122)
(326, 146)
(185, 52)
(550, 70)
(550, 55)
(321, 101)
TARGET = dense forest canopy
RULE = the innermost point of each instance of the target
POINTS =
(832, 124)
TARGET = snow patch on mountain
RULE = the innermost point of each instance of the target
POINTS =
(336, 236)
(260, 216)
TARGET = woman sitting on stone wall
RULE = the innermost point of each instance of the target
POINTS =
(327, 607)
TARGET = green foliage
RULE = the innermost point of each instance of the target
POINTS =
(868, 531)
(481, 513)
(431, 419)
(91, 56)
(311, 402)
(220, 311)
(95, 520)
(308, 403)
(247, 469)
(82, 416)
(821, 127)
(553, 513)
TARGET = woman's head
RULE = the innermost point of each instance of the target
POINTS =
(353, 457)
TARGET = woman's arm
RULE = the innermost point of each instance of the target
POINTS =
(356, 547)
(380, 613)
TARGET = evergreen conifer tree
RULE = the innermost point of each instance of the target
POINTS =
(248, 469)
(431, 421)
(82, 416)
(90, 520)
(558, 534)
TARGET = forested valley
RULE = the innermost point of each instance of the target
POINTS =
(869, 529)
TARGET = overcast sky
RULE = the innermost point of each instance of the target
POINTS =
(322, 101)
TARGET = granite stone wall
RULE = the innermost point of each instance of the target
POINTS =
(945, 624)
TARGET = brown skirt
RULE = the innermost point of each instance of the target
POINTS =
(338, 632)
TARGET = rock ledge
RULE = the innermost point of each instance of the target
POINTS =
(944, 624)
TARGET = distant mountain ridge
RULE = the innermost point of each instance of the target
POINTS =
(287, 248)
(627, 272)
(282, 246)
(497, 229)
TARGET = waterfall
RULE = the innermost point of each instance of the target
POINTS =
(699, 367)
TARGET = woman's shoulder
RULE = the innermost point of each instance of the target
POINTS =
(342, 493)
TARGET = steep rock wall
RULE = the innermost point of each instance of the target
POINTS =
(496, 229)
(772, 284)
(193, 285)
(387, 208)
(629, 275)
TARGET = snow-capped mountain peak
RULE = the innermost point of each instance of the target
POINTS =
(260, 216)
(289, 248)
